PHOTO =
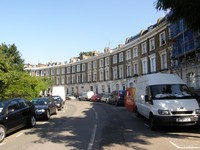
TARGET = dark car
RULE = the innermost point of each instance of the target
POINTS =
(15, 114)
(44, 107)
(59, 102)
(117, 97)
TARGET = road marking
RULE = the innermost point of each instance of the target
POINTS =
(96, 115)
(93, 137)
(178, 147)
(19, 135)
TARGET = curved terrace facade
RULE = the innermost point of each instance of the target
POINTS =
(115, 69)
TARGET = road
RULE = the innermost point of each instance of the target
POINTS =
(84, 125)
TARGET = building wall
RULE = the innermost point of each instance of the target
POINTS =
(140, 62)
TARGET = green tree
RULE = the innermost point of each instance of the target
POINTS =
(182, 9)
(14, 81)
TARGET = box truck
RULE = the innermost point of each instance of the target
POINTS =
(165, 99)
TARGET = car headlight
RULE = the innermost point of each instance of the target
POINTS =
(163, 112)
(197, 111)
(40, 110)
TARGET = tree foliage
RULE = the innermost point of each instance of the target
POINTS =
(14, 81)
(182, 9)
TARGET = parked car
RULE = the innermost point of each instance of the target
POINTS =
(70, 97)
(117, 97)
(86, 95)
(96, 97)
(106, 97)
(59, 102)
(15, 114)
(44, 107)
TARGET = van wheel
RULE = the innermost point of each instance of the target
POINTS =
(137, 113)
(2, 133)
(152, 123)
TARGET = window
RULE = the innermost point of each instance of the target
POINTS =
(94, 76)
(58, 71)
(14, 106)
(23, 103)
(162, 39)
(68, 79)
(115, 73)
(153, 63)
(144, 48)
(128, 54)
(73, 69)
(107, 61)
(89, 77)
(63, 70)
(121, 58)
(114, 59)
(121, 72)
(152, 44)
(90, 65)
(136, 68)
(101, 64)
(83, 67)
(73, 79)
(83, 78)
(101, 75)
(128, 70)
(78, 68)
(52, 71)
(57, 80)
(107, 74)
(63, 80)
(163, 57)
(135, 52)
(144, 66)
(94, 64)
(78, 79)
(68, 69)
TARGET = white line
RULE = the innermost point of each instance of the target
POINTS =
(93, 137)
(178, 147)
(19, 135)
(96, 115)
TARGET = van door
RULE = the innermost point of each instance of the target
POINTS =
(148, 104)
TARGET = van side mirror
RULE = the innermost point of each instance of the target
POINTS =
(146, 98)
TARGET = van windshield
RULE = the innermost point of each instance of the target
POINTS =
(170, 91)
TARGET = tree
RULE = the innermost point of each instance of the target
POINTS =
(14, 81)
(182, 9)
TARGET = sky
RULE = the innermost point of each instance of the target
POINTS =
(56, 30)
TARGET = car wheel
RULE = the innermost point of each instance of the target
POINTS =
(47, 115)
(32, 121)
(2, 133)
(152, 123)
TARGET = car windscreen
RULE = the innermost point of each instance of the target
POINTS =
(170, 91)
(39, 102)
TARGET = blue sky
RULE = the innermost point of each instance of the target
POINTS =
(56, 30)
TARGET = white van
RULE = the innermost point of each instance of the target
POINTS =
(165, 99)
(59, 91)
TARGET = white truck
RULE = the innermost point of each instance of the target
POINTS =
(59, 91)
(165, 99)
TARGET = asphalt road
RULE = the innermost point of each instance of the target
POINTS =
(84, 125)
